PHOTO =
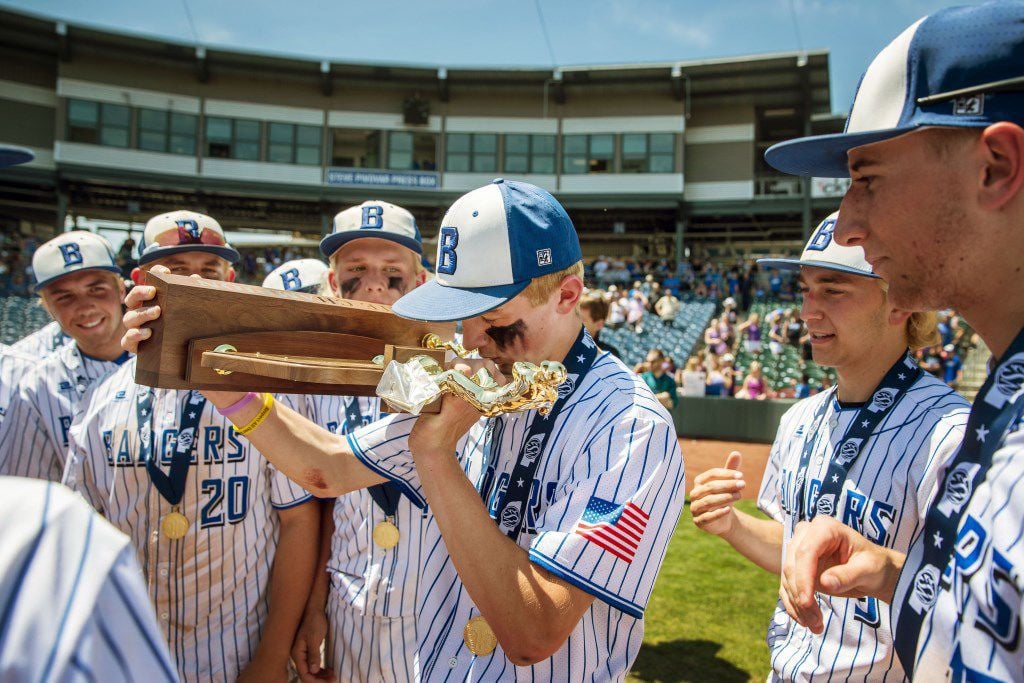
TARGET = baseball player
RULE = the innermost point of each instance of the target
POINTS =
(43, 341)
(13, 366)
(80, 285)
(865, 453)
(545, 533)
(223, 538)
(934, 147)
(365, 592)
(307, 275)
(73, 604)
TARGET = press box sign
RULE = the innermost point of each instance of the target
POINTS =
(358, 177)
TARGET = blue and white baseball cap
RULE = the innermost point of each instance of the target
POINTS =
(373, 218)
(70, 253)
(180, 231)
(822, 251)
(960, 67)
(301, 275)
(493, 241)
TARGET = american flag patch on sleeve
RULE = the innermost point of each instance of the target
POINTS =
(616, 528)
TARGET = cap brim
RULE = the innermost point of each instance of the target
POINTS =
(336, 241)
(229, 254)
(824, 156)
(434, 302)
(12, 156)
(797, 264)
(39, 285)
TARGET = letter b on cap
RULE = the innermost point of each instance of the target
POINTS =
(373, 217)
(290, 280)
(822, 236)
(72, 254)
(446, 243)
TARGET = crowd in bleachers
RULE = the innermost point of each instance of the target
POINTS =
(724, 330)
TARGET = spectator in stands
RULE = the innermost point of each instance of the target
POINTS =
(726, 331)
(952, 366)
(750, 333)
(693, 379)
(600, 271)
(776, 338)
(794, 328)
(659, 379)
(774, 283)
(668, 306)
(803, 388)
(945, 329)
(729, 373)
(713, 338)
(618, 307)
(715, 378)
(594, 310)
(636, 306)
(930, 359)
(754, 386)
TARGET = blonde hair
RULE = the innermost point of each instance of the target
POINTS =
(922, 330)
(540, 288)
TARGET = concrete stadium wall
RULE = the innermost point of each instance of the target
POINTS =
(729, 419)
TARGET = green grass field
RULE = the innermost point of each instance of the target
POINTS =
(707, 618)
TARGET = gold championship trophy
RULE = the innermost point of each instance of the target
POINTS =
(233, 337)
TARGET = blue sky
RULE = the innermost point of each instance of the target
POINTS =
(488, 32)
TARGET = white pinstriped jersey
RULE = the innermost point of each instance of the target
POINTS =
(612, 441)
(975, 624)
(373, 595)
(73, 604)
(34, 442)
(43, 341)
(885, 497)
(13, 366)
(211, 588)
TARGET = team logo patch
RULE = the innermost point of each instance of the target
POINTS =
(799, 431)
(64, 386)
(883, 400)
(510, 517)
(532, 449)
(1007, 382)
(959, 486)
(184, 440)
(969, 105)
(543, 257)
(925, 590)
(121, 395)
(826, 505)
(849, 450)
(588, 341)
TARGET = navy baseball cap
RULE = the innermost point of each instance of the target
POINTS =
(12, 155)
(961, 67)
(493, 241)
(822, 251)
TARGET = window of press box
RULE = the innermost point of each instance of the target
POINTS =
(289, 143)
(412, 151)
(471, 153)
(232, 138)
(588, 153)
(529, 153)
(648, 153)
(355, 148)
(99, 123)
(166, 131)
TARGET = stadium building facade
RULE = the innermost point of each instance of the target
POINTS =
(646, 157)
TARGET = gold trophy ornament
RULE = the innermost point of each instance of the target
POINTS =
(418, 382)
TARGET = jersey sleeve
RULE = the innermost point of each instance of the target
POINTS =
(941, 444)
(86, 448)
(383, 446)
(122, 637)
(26, 449)
(769, 496)
(608, 526)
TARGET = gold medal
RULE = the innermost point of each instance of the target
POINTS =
(386, 534)
(174, 525)
(479, 637)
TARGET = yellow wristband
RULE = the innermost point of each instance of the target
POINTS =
(268, 403)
